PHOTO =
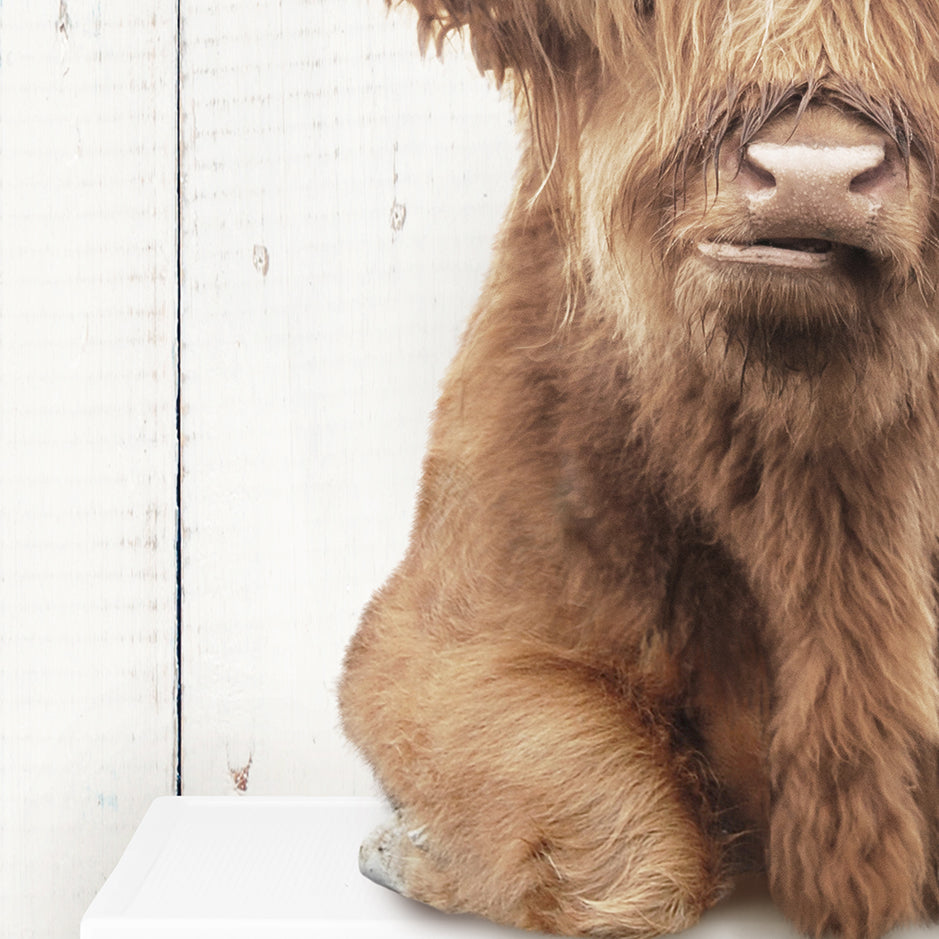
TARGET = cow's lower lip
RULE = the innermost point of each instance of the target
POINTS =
(796, 253)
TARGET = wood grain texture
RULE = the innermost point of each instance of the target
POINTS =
(338, 200)
(87, 445)
(339, 197)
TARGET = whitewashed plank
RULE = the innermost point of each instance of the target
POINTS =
(314, 335)
(87, 450)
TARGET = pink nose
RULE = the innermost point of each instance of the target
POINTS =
(820, 183)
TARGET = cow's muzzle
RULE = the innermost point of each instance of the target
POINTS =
(808, 188)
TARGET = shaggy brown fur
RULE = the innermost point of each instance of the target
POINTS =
(670, 602)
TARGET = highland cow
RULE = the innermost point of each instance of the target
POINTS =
(669, 610)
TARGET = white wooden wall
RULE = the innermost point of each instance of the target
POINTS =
(337, 198)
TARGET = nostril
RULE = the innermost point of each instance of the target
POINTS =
(875, 177)
(752, 174)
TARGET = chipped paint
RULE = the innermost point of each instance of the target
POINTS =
(399, 214)
(261, 260)
(63, 28)
(239, 777)
(399, 210)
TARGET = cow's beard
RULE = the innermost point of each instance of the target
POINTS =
(827, 362)
(779, 326)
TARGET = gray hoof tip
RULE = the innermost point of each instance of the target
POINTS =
(381, 856)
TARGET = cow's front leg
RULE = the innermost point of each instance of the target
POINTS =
(855, 709)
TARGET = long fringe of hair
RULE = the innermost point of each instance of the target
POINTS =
(721, 65)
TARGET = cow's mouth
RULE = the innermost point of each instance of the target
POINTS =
(797, 253)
